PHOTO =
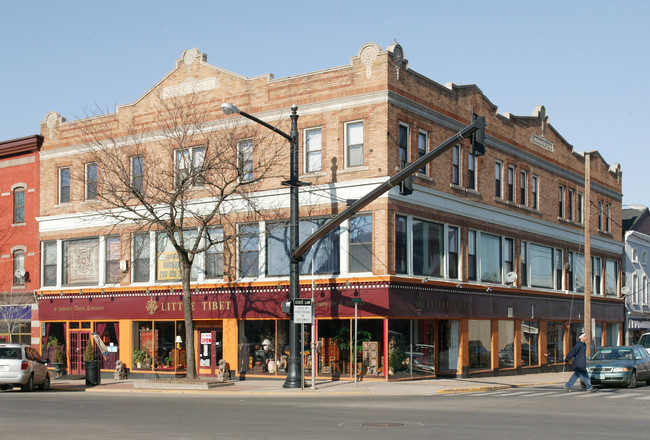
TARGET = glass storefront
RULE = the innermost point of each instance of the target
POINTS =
(480, 337)
(411, 348)
(529, 343)
(506, 344)
(159, 345)
(263, 346)
(554, 342)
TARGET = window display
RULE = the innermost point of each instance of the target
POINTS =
(263, 346)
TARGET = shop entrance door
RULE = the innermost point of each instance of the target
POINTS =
(210, 351)
(78, 342)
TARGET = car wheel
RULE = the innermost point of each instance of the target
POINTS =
(29, 386)
(632, 382)
(46, 383)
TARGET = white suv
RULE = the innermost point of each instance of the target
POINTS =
(644, 340)
(22, 366)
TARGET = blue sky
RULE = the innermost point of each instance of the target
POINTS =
(587, 62)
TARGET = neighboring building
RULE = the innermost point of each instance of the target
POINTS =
(479, 271)
(19, 243)
(636, 225)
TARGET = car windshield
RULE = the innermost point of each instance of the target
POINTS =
(645, 340)
(10, 353)
(613, 354)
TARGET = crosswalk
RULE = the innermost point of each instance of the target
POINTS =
(558, 392)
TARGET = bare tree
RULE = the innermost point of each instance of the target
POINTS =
(15, 307)
(183, 171)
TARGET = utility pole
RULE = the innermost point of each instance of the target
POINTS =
(587, 220)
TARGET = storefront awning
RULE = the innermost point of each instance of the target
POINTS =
(638, 323)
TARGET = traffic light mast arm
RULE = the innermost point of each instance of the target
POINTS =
(477, 124)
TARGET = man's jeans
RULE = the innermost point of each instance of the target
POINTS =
(582, 374)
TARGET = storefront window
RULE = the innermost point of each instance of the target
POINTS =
(480, 337)
(598, 337)
(109, 334)
(506, 344)
(263, 346)
(612, 333)
(529, 343)
(448, 343)
(555, 342)
(156, 345)
(411, 348)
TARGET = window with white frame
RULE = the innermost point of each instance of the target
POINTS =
(313, 150)
(49, 261)
(19, 267)
(214, 253)
(360, 244)
(403, 145)
(511, 184)
(523, 264)
(249, 250)
(401, 245)
(611, 278)
(569, 272)
(644, 289)
(168, 267)
(113, 254)
(472, 258)
(578, 262)
(523, 188)
(137, 174)
(635, 288)
(509, 255)
(91, 181)
(81, 261)
(635, 256)
(455, 165)
(597, 272)
(558, 263)
(428, 248)
(491, 258)
(471, 172)
(354, 143)
(64, 185)
(498, 169)
(534, 192)
(19, 205)
(423, 146)
(141, 252)
(245, 159)
(453, 244)
(540, 261)
(190, 166)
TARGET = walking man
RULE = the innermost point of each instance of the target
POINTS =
(579, 355)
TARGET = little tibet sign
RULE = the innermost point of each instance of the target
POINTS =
(302, 311)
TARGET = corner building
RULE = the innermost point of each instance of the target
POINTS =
(480, 271)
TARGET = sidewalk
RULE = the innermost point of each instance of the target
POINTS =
(426, 387)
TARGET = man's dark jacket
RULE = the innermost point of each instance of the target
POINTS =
(579, 353)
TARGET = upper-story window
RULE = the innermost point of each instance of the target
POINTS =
(523, 265)
(137, 174)
(403, 145)
(249, 250)
(580, 207)
(491, 258)
(611, 278)
(19, 268)
(597, 272)
(511, 184)
(453, 256)
(498, 169)
(113, 254)
(542, 266)
(534, 192)
(19, 205)
(600, 215)
(189, 166)
(643, 257)
(608, 211)
(423, 146)
(214, 254)
(64, 185)
(354, 143)
(635, 288)
(401, 245)
(141, 252)
(81, 261)
(313, 150)
(49, 258)
(91, 181)
(570, 204)
(560, 204)
(472, 259)
(471, 171)
(635, 256)
(455, 165)
(523, 187)
(509, 255)
(245, 159)
(168, 267)
(361, 243)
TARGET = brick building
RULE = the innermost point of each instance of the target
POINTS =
(19, 244)
(480, 271)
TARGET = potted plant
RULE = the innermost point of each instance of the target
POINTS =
(92, 369)
(57, 358)
(138, 357)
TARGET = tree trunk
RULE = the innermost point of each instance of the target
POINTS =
(187, 314)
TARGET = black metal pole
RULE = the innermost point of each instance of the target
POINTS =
(294, 379)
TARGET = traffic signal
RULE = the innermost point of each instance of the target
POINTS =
(406, 186)
(477, 145)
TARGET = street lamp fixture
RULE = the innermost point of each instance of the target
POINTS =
(294, 379)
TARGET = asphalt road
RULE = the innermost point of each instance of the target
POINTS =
(523, 413)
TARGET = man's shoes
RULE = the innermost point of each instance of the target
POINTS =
(592, 390)
(567, 389)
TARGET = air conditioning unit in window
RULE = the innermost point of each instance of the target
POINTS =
(124, 265)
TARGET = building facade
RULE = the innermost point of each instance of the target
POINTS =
(636, 225)
(480, 270)
(19, 243)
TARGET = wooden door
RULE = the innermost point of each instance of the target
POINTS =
(78, 342)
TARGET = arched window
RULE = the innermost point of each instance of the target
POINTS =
(19, 205)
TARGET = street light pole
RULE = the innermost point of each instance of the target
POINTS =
(294, 379)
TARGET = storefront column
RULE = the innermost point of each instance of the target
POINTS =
(230, 343)
(517, 345)
(543, 344)
(126, 343)
(463, 352)
(494, 343)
